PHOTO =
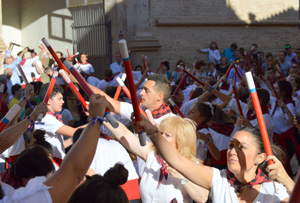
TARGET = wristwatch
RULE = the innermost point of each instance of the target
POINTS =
(184, 181)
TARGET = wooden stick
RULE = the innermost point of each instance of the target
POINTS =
(84, 85)
(135, 102)
(22, 74)
(48, 93)
(236, 97)
(58, 61)
(261, 121)
(117, 94)
(189, 74)
(74, 89)
(176, 108)
(9, 116)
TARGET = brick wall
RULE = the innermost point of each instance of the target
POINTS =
(182, 26)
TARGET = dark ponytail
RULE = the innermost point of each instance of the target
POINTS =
(104, 189)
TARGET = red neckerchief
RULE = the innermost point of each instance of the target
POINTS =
(9, 178)
(84, 63)
(259, 178)
(108, 79)
(222, 128)
(56, 115)
(202, 126)
(286, 100)
(104, 136)
(163, 168)
(251, 114)
(225, 86)
(161, 111)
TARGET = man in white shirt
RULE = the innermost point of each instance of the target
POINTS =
(117, 67)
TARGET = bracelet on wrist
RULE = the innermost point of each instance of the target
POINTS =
(211, 89)
(30, 128)
(98, 118)
(28, 102)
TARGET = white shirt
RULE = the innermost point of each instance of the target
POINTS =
(93, 81)
(201, 148)
(109, 153)
(221, 141)
(15, 149)
(126, 111)
(212, 55)
(28, 68)
(187, 106)
(169, 188)
(87, 68)
(186, 92)
(297, 102)
(267, 118)
(280, 119)
(116, 67)
(102, 84)
(222, 191)
(55, 139)
(35, 191)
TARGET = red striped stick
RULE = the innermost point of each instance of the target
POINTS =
(176, 108)
(189, 74)
(58, 61)
(236, 97)
(86, 88)
(180, 84)
(43, 47)
(68, 52)
(127, 92)
(193, 92)
(22, 74)
(48, 93)
(117, 94)
(70, 57)
(74, 89)
(227, 73)
(261, 121)
(135, 102)
(9, 116)
(160, 65)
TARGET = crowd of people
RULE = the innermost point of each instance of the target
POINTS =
(206, 148)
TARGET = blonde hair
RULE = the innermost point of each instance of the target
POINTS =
(184, 130)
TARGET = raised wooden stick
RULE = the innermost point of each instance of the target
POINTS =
(261, 121)
(84, 85)
(135, 102)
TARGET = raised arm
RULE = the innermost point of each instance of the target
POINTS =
(224, 97)
(198, 174)
(129, 140)
(10, 136)
(76, 163)
(116, 104)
